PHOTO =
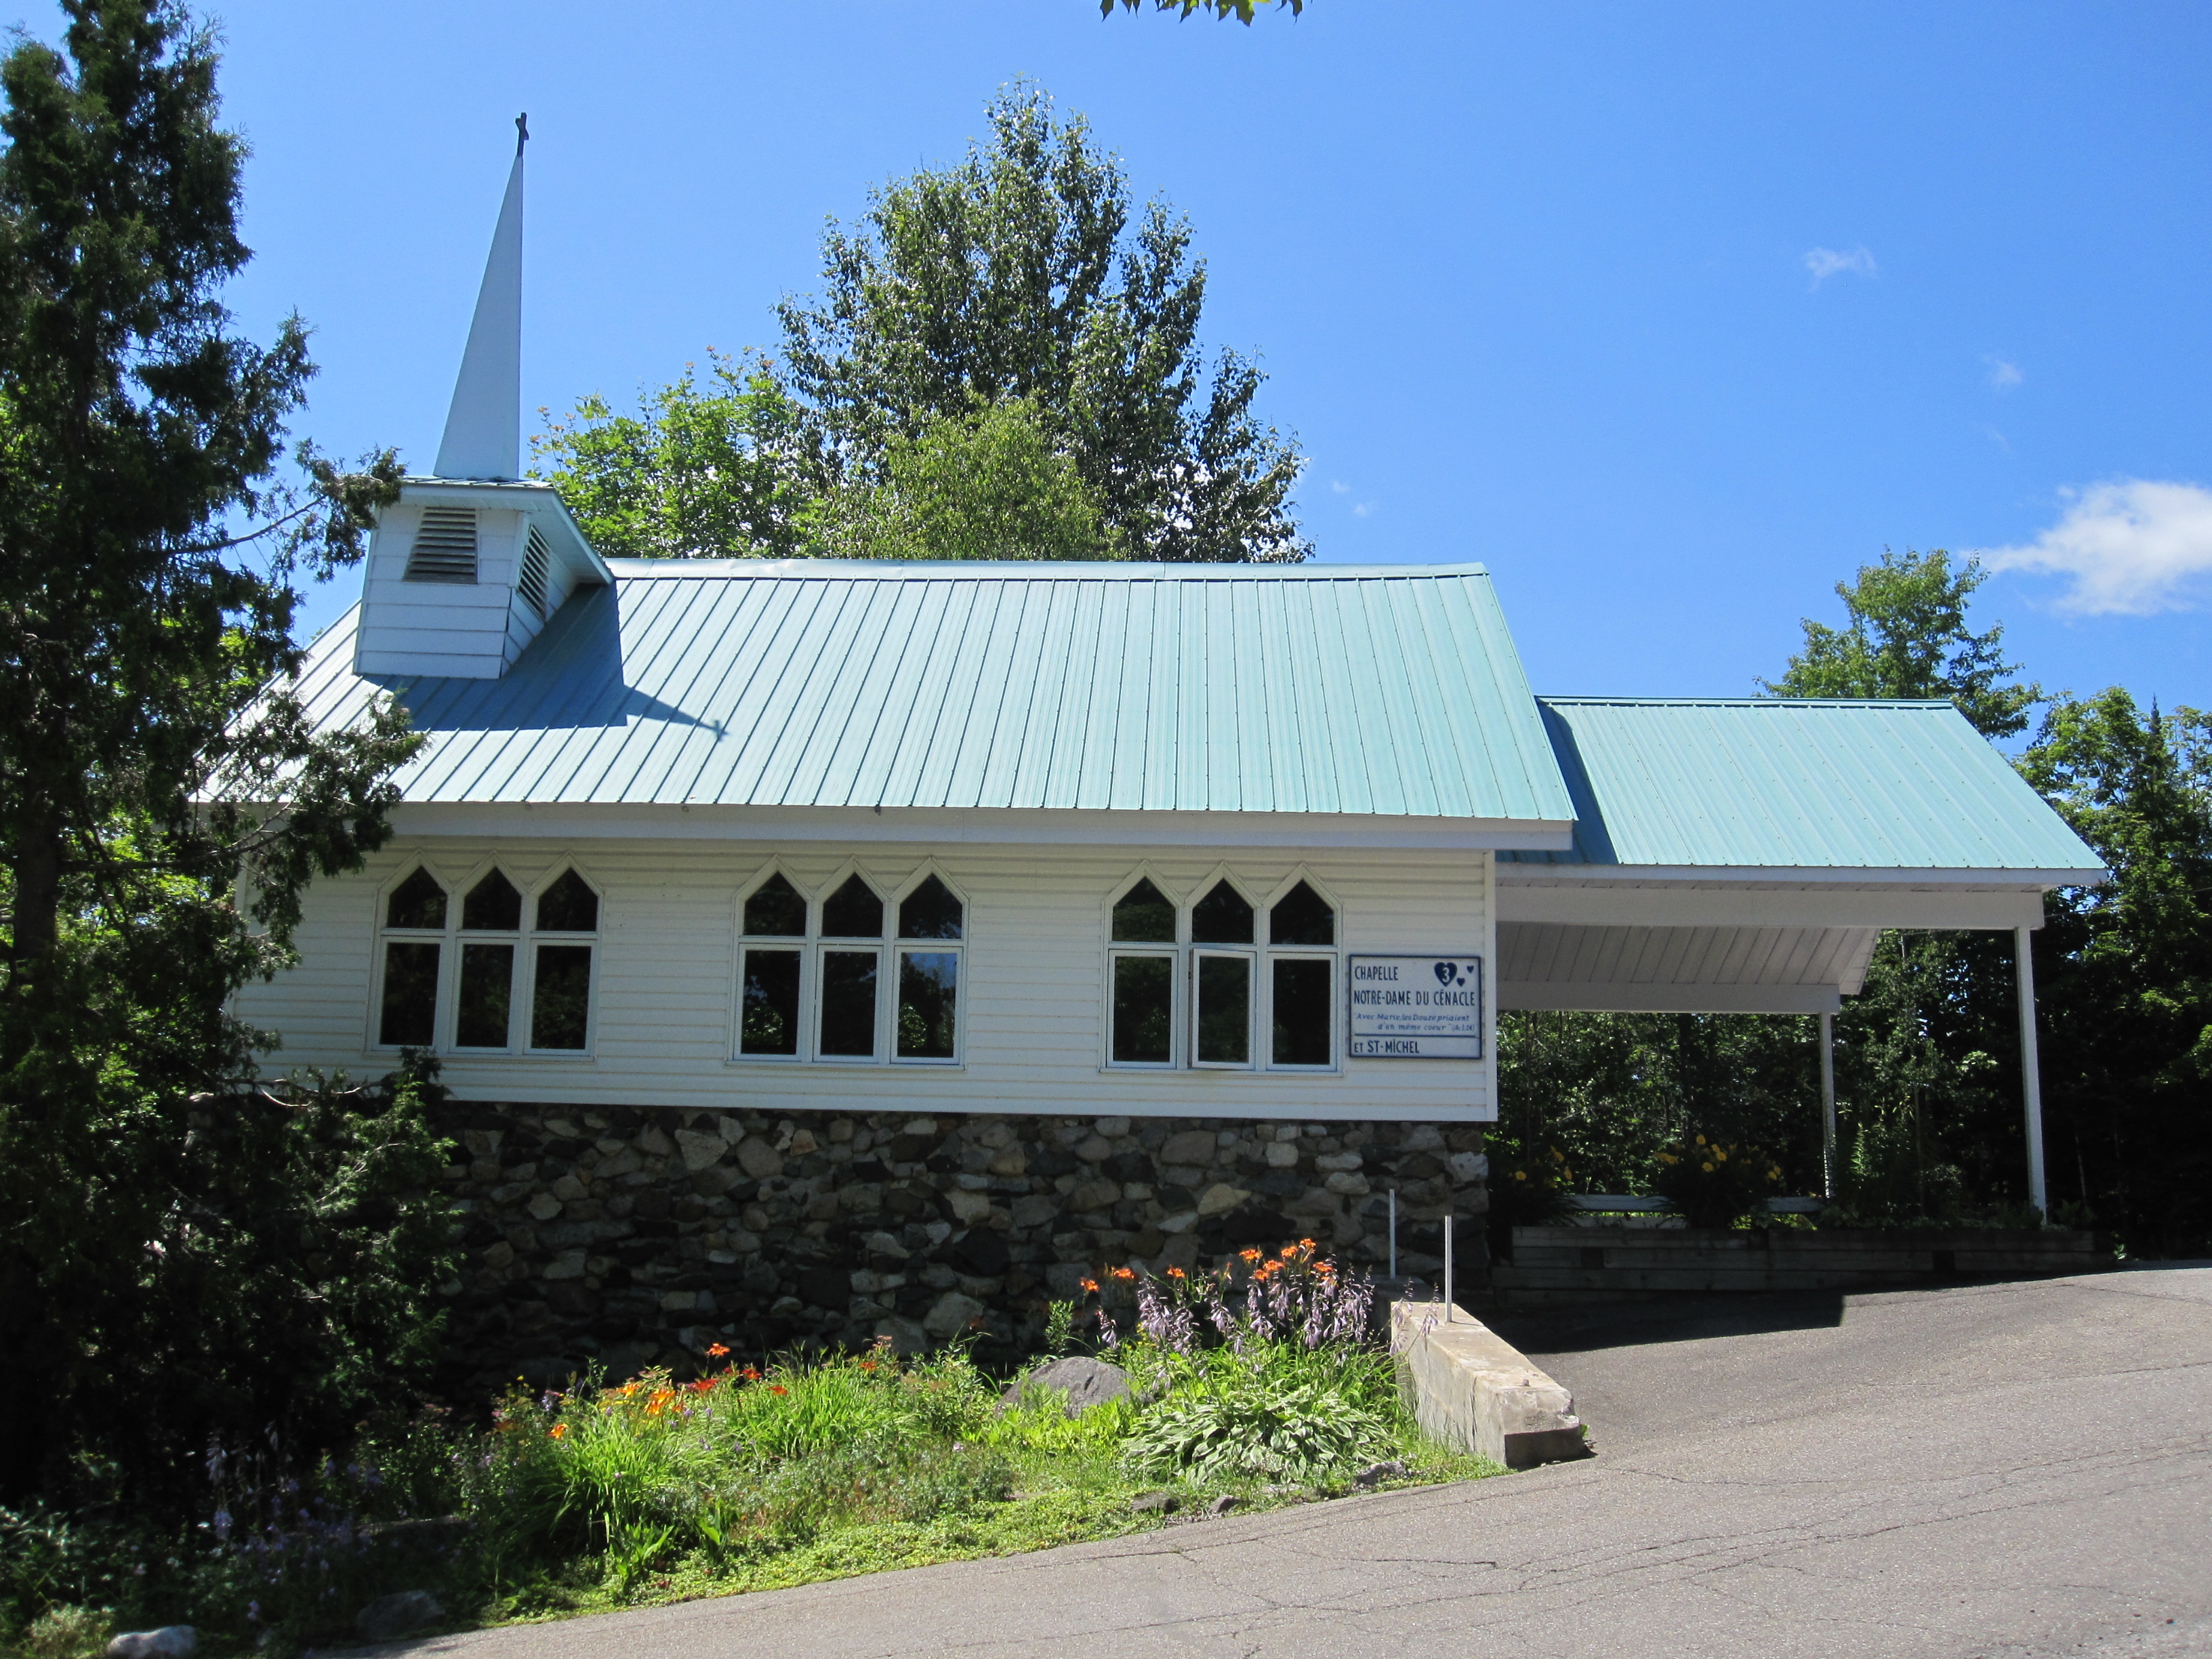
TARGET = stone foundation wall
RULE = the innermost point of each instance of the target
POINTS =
(626, 1238)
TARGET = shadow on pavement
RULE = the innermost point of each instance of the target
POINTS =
(1680, 1318)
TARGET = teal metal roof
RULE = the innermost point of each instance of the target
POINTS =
(1768, 782)
(1123, 687)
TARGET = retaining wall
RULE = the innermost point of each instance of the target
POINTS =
(626, 1238)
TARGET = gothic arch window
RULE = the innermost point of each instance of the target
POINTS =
(487, 971)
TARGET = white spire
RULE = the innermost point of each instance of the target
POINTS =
(484, 427)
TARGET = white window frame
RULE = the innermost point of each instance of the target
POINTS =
(532, 937)
(522, 992)
(1270, 953)
(802, 943)
(1251, 959)
(816, 945)
(1156, 951)
(1173, 949)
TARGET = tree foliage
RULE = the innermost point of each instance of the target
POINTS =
(1016, 305)
(1905, 636)
(163, 798)
(699, 472)
(988, 485)
(1243, 10)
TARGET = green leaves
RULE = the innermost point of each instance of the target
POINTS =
(1907, 637)
(1243, 10)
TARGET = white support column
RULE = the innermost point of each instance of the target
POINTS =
(1827, 1106)
(2030, 1071)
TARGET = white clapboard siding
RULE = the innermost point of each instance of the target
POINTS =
(1033, 979)
(457, 629)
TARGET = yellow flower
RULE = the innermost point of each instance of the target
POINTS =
(1519, 1175)
(1701, 1141)
(1707, 1167)
(1719, 1156)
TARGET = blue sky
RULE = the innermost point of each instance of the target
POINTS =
(1672, 314)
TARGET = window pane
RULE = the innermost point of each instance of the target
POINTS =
(1144, 1002)
(853, 911)
(561, 1002)
(487, 989)
(929, 912)
(776, 909)
(410, 993)
(568, 906)
(418, 901)
(1302, 916)
(1222, 917)
(1224, 1010)
(848, 1002)
(1144, 913)
(1304, 1008)
(929, 992)
(493, 906)
(767, 1014)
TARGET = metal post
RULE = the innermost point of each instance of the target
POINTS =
(2031, 1070)
(1448, 1267)
(1393, 1232)
(1828, 1106)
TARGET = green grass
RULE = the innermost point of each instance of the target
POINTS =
(649, 1492)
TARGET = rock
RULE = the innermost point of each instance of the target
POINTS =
(544, 1206)
(1180, 1222)
(170, 1642)
(802, 1143)
(570, 1264)
(758, 1159)
(1223, 1504)
(391, 1616)
(1063, 1279)
(731, 1128)
(1155, 1502)
(1330, 1162)
(1036, 1211)
(1350, 1182)
(1086, 1383)
(1282, 1154)
(1191, 1147)
(1468, 1167)
(1113, 1128)
(1422, 1138)
(970, 1208)
(1376, 1474)
(906, 1336)
(1011, 1161)
(651, 1142)
(701, 1152)
(1093, 1196)
(1220, 1197)
(949, 1315)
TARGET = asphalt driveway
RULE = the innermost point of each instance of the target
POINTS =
(1989, 1472)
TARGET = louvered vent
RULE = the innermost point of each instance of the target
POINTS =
(444, 548)
(532, 583)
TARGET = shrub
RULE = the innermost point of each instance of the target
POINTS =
(1713, 1182)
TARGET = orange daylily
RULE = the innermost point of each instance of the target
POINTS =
(718, 1350)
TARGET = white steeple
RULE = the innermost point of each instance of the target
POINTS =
(484, 427)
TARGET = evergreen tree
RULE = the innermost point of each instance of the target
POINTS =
(162, 799)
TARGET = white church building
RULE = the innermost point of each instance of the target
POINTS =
(811, 841)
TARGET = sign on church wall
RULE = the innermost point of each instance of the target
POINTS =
(1415, 1007)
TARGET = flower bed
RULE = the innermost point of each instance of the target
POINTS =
(1259, 1384)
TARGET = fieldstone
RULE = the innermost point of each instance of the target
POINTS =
(169, 1642)
(1330, 1162)
(497, 1256)
(1009, 1162)
(1376, 1474)
(1085, 1382)
(1466, 1167)
(1223, 1504)
(391, 1616)
(1348, 1181)
(731, 1128)
(1180, 1222)
(1093, 1196)
(949, 1315)
(570, 1264)
(1220, 1197)
(651, 1142)
(1065, 1279)
(1096, 1150)
(1155, 1502)
(969, 1206)
(802, 1143)
(904, 1335)
(567, 1187)
(1190, 1146)
(758, 1159)
(701, 1152)
(1422, 1138)
(1282, 1154)
(544, 1207)
(1036, 1211)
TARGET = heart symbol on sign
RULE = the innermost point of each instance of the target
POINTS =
(1445, 971)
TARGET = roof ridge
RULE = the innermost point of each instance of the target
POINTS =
(1024, 569)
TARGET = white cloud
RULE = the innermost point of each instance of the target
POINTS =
(2133, 548)
(1339, 486)
(2003, 376)
(1362, 509)
(1826, 262)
